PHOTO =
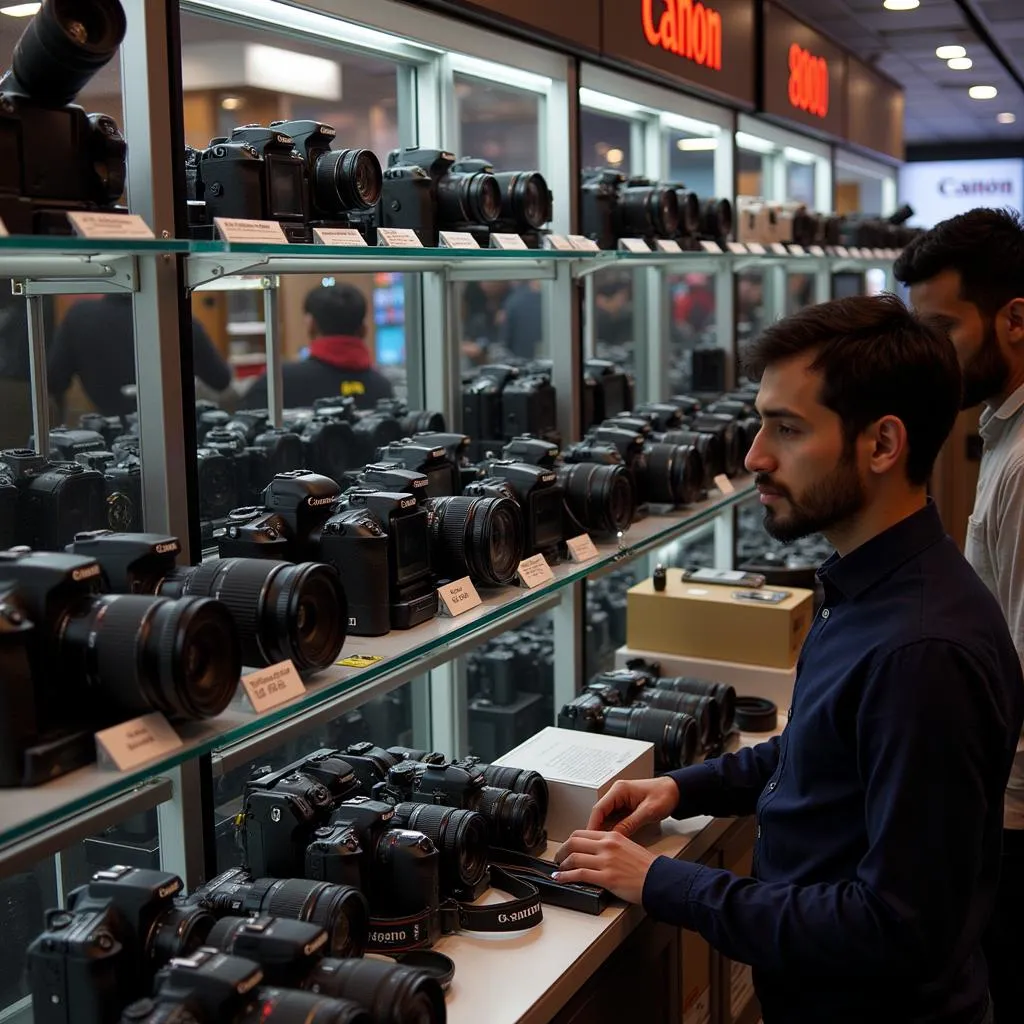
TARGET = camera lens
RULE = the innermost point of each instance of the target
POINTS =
(179, 931)
(709, 447)
(674, 736)
(153, 654)
(474, 197)
(689, 211)
(646, 210)
(703, 710)
(288, 1006)
(716, 218)
(514, 819)
(64, 45)
(477, 537)
(460, 836)
(347, 179)
(519, 780)
(393, 994)
(284, 948)
(601, 498)
(674, 474)
(723, 695)
(282, 611)
(525, 198)
(422, 421)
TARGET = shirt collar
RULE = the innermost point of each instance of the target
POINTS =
(853, 574)
(993, 421)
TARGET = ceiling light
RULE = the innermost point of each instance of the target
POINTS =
(1006, 118)
(798, 156)
(20, 10)
(960, 63)
(901, 5)
(614, 156)
(696, 145)
(983, 92)
(950, 52)
(754, 143)
(231, 102)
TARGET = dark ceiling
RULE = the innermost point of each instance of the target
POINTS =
(903, 43)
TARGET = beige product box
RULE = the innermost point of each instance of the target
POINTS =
(713, 621)
(580, 768)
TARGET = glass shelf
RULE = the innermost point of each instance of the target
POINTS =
(73, 246)
(403, 654)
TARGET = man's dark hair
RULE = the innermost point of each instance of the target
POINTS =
(985, 246)
(338, 310)
(876, 358)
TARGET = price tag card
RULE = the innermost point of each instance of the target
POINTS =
(399, 238)
(457, 240)
(880, 254)
(668, 245)
(724, 484)
(534, 571)
(778, 249)
(108, 225)
(816, 250)
(583, 244)
(273, 686)
(797, 250)
(130, 744)
(338, 236)
(709, 246)
(360, 660)
(234, 229)
(506, 241)
(581, 548)
(633, 245)
(458, 597)
(842, 252)
(3, 229)
(559, 242)
(737, 248)
(756, 248)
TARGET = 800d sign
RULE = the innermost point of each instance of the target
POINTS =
(808, 81)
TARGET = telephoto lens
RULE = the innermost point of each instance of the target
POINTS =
(340, 910)
(482, 538)
(723, 694)
(526, 198)
(710, 447)
(599, 499)
(675, 474)
(518, 780)
(283, 612)
(703, 710)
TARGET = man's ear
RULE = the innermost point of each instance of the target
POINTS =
(888, 444)
(1014, 313)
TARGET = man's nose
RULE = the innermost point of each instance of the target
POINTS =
(759, 459)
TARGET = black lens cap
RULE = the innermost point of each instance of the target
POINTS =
(756, 714)
(437, 965)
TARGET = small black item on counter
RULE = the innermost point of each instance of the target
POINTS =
(756, 714)
(659, 578)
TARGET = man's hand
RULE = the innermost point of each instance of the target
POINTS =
(607, 859)
(631, 804)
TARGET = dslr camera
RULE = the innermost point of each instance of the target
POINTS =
(500, 402)
(613, 206)
(57, 158)
(526, 203)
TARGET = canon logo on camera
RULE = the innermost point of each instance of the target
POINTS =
(978, 187)
(316, 502)
(84, 574)
(170, 548)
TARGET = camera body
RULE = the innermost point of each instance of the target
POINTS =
(421, 453)
(526, 203)
(609, 391)
(539, 494)
(500, 402)
(613, 206)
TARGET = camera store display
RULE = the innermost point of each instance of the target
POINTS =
(526, 203)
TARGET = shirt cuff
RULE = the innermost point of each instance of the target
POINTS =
(667, 887)
(698, 785)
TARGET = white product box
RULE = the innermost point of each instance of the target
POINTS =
(580, 768)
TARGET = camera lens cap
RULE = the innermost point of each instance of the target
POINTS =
(756, 714)
(435, 964)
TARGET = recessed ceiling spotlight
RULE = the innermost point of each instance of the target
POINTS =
(20, 10)
(950, 52)
(983, 92)
(901, 5)
(1007, 117)
(960, 64)
(232, 103)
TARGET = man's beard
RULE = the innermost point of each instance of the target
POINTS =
(986, 375)
(830, 502)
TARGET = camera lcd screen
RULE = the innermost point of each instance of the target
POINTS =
(284, 178)
(410, 546)
(547, 517)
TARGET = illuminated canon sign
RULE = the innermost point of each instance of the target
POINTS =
(808, 81)
(687, 29)
(978, 187)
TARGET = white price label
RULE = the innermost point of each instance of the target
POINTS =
(399, 238)
(507, 241)
(339, 236)
(583, 244)
(458, 597)
(816, 250)
(756, 248)
(108, 225)
(270, 687)
(534, 571)
(879, 254)
(797, 250)
(234, 229)
(724, 484)
(633, 245)
(778, 249)
(842, 252)
(737, 248)
(709, 246)
(559, 242)
(130, 744)
(3, 229)
(668, 245)
(457, 240)
(581, 548)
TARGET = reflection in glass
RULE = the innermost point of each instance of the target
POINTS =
(691, 160)
(15, 386)
(605, 141)
(799, 292)
(498, 123)
(751, 173)
(693, 324)
(800, 183)
(750, 306)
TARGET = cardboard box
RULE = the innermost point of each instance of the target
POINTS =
(711, 621)
(580, 768)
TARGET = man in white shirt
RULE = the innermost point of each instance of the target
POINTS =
(970, 269)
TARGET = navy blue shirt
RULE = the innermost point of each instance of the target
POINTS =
(879, 809)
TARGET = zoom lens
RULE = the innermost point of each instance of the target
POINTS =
(481, 538)
(703, 710)
(282, 611)
(347, 179)
(674, 474)
(146, 654)
(716, 218)
(64, 45)
(602, 499)
(474, 198)
(710, 448)
(460, 837)
(179, 931)
(286, 1006)
(723, 695)
(422, 421)
(514, 819)
(689, 211)
(674, 736)
(391, 993)
(725, 427)
(519, 780)
(647, 210)
(526, 198)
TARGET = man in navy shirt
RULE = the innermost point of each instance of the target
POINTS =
(879, 809)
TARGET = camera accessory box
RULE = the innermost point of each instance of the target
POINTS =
(579, 768)
(690, 618)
